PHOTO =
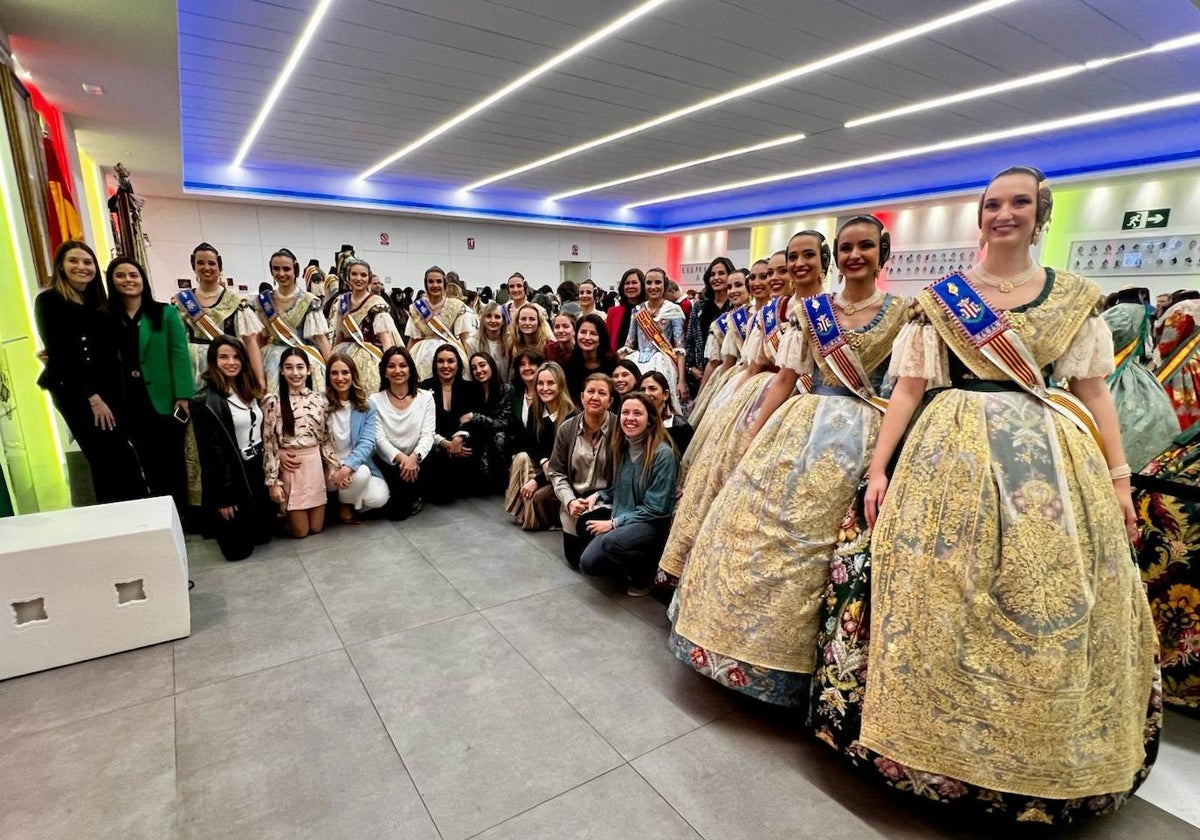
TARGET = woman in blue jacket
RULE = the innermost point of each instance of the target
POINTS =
(631, 540)
(352, 420)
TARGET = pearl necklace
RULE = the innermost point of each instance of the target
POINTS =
(850, 307)
(1006, 285)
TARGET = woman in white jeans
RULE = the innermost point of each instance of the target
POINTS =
(352, 420)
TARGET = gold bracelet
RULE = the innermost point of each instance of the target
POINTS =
(1122, 471)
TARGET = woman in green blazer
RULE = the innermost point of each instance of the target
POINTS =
(157, 376)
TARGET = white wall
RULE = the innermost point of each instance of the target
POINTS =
(246, 234)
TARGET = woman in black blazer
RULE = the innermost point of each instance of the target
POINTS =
(83, 371)
(228, 422)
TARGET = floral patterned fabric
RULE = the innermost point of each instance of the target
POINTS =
(1169, 556)
(1178, 348)
(1013, 643)
(839, 684)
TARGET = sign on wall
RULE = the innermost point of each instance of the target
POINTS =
(691, 275)
(1140, 219)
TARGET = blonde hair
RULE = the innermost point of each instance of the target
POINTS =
(518, 342)
(563, 404)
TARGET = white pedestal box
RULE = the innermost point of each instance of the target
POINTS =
(86, 582)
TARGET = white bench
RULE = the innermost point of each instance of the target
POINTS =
(85, 582)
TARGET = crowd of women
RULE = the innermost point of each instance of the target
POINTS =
(913, 521)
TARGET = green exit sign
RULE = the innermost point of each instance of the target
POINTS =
(1142, 219)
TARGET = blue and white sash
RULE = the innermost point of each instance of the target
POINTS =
(284, 332)
(835, 349)
(437, 327)
(992, 335)
(195, 313)
(741, 321)
(353, 329)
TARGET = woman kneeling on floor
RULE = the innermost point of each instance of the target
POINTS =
(630, 543)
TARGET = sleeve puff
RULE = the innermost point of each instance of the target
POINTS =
(919, 352)
(382, 322)
(712, 347)
(246, 321)
(1089, 355)
(795, 352)
(315, 322)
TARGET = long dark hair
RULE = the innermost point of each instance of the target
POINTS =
(487, 394)
(285, 401)
(358, 396)
(708, 273)
(604, 353)
(243, 384)
(660, 378)
(150, 307)
(388, 355)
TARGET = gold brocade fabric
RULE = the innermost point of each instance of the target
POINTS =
(752, 587)
(294, 316)
(700, 407)
(711, 420)
(722, 448)
(364, 360)
(1011, 641)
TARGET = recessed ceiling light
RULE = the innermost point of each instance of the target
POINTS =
(1041, 78)
(1090, 118)
(514, 86)
(745, 150)
(762, 84)
(310, 29)
(93, 90)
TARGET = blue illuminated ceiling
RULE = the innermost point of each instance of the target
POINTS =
(379, 75)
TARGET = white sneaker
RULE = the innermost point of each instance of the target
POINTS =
(638, 591)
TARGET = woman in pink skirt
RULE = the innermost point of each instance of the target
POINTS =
(296, 447)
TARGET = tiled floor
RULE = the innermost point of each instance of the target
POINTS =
(444, 677)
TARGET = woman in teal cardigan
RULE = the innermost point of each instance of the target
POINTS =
(157, 376)
(630, 542)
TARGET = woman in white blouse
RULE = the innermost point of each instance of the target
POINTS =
(352, 421)
(404, 431)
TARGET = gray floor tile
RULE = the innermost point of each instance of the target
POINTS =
(494, 565)
(339, 537)
(247, 617)
(111, 776)
(617, 806)
(294, 752)
(377, 587)
(739, 778)
(615, 670)
(205, 555)
(483, 735)
(86, 689)
(1174, 783)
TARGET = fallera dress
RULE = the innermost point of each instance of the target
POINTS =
(1144, 410)
(747, 607)
(993, 631)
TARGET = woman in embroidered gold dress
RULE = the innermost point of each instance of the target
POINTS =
(1011, 666)
(300, 312)
(732, 361)
(363, 324)
(210, 310)
(717, 448)
(450, 321)
(746, 610)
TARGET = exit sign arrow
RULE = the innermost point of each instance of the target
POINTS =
(1141, 219)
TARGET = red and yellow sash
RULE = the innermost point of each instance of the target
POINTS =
(651, 328)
